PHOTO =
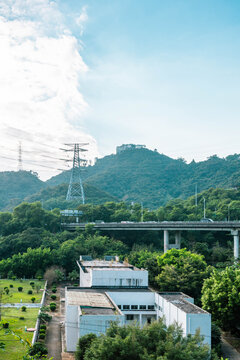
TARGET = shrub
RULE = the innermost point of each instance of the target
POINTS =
(6, 290)
(33, 299)
(29, 292)
(43, 327)
(38, 348)
(23, 308)
(11, 285)
(76, 285)
(41, 336)
(32, 283)
(14, 277)
(5, 325)
(54, 290)
(21, 318)
(53, 306)
(42, 331)
(53, 297)
(5, 287)
(20, 288)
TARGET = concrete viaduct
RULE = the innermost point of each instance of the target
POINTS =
(166, 226)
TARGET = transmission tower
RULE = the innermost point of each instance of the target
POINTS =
(20, 157)
(75, 188)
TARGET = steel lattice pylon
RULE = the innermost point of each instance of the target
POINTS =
(75, 188)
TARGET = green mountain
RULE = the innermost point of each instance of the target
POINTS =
(55, 197)
(15, 186)
(139, 175)
(142, 175)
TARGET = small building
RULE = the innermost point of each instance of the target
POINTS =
(124, 147)
(110, 272)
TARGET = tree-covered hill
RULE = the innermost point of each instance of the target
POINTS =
(55, 197)
(146, 176)
(15, 186)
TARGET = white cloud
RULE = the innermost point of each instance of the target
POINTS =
(82, 18)
(40, 72)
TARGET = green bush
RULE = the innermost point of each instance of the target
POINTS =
(54, 290)
(11, 285)
(20, 288)
(53, 306)
(6, 290)
(43, 327)
(53, 297)
(21, 318)
(33, 299)
(30, 292)
(5, 325)
(38, 349)
(32, 283)
(23, 308)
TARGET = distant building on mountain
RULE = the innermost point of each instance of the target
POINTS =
(124, 147)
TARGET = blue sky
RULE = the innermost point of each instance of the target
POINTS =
(155, 72)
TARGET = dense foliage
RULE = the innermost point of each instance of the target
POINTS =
(154, 342)
(221, 297)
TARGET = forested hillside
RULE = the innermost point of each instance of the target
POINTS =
(146, 176)
(134, 176)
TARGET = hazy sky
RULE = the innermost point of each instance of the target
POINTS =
(155, 72)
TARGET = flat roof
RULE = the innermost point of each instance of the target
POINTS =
(109, 289)
(91, 302)
(89, 265)
(179, 300)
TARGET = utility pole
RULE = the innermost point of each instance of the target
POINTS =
(20, 157)
(141, 212)
(196, 193)
(75, 188)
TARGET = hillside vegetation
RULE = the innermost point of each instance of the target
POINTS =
(146, 176)
(138, 175)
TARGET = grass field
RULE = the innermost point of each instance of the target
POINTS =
(14, 348)
(15, 296)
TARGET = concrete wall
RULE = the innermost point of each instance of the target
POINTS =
(202, 322)
(71, 326)
(85, 278)
(132, 297)
(97, 324)
(119, 278)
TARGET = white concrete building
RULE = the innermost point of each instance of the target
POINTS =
(110, 273)
(110, 294)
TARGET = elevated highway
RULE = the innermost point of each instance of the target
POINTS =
(166, 226)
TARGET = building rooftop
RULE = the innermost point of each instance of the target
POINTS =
(179, 300)
(88, 265)
(91, 302)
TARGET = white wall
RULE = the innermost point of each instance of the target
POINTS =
(97, 324)
(132, 297)
(71, 327)
(85, 278)
(202, 322)
(119, 278)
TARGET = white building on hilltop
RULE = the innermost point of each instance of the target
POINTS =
(114, 291)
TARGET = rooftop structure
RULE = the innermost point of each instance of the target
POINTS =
(124, 147)
(110, 272)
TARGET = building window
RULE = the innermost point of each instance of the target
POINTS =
(129, 282)
(150, 307)
(129, 317)
(142, 307)
(119, 306)
(149, 320)
(126, 307)
(160, 308)
(120, 282)
(134, 307)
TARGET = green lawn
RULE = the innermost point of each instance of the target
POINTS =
(14, 348)
(15, 296)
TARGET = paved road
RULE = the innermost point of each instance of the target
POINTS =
(229, 352)
(53, 338)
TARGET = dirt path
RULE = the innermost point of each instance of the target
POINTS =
(229, 352)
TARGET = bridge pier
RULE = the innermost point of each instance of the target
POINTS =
(176, 245)
(166, 240)
(236, 243)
